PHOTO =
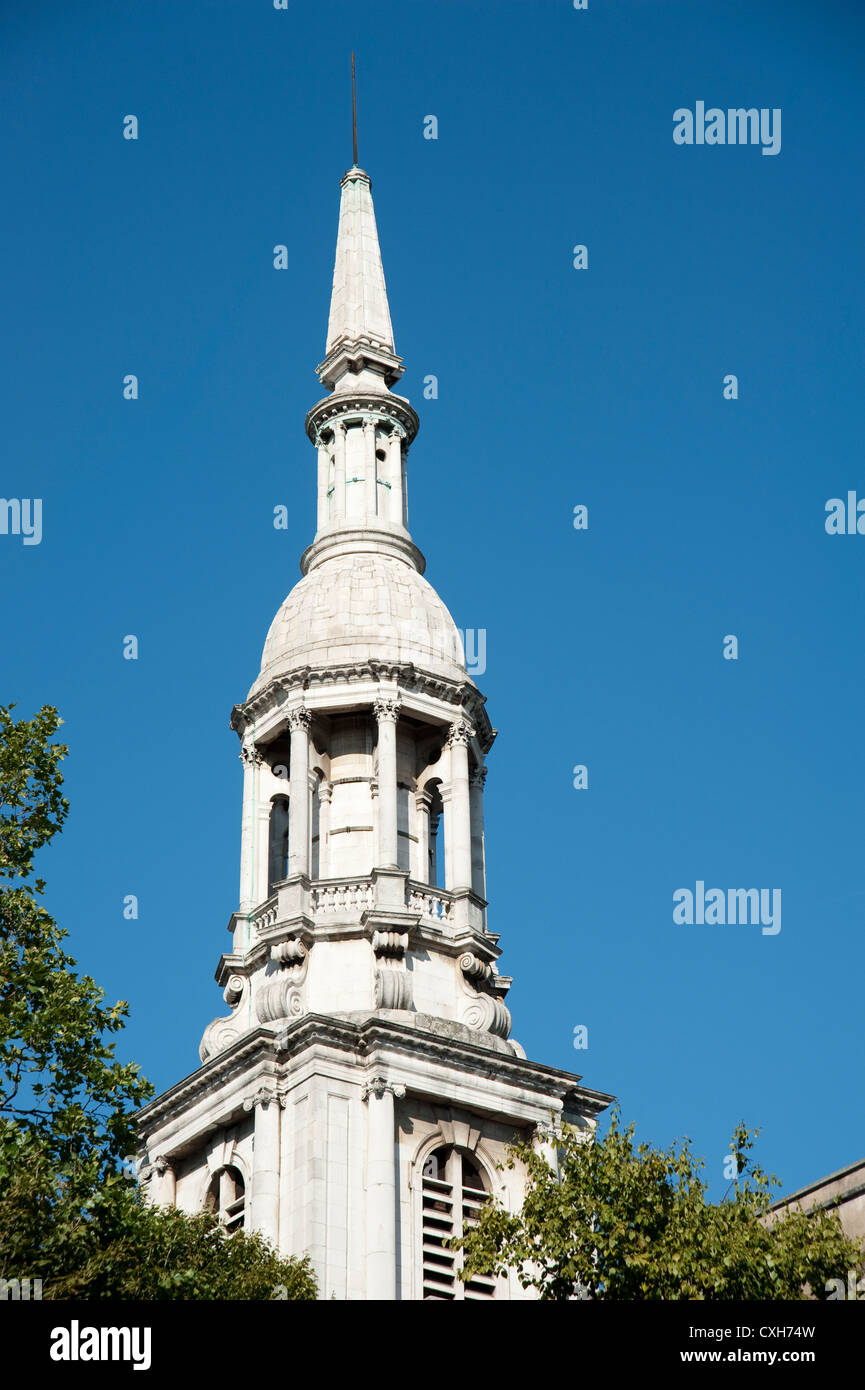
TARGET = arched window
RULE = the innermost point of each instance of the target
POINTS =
(226, 1198)
(453, 1191)
(277, 858)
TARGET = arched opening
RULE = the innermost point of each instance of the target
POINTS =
(316, 847)
(436, 865)
(277, 856)
(454, 1189)
(226, 1198)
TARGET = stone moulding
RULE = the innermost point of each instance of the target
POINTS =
(410, 679)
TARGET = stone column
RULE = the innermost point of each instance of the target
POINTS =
(477, 778)
(264, 1202)
(459, 811)
(251, 759)
(298, 806)
(325, 794)
(396, 509)
(338, 507)
(167, 1179)
(381, 1190)
(323, 480)
(422, 801)
(370, 467)
(386, 714)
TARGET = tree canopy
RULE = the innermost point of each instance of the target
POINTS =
(621, 1220)
(70, 1212)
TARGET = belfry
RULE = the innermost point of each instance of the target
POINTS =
(355, 1098)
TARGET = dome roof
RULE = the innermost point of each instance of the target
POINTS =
(359, 607)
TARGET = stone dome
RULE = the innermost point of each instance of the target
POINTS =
(359, 607)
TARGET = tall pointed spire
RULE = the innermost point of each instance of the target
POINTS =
(359, 313)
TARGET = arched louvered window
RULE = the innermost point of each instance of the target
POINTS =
(453, 1191)
(226, 1198)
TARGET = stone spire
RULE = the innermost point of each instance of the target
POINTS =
(362, 430)
(360, 348)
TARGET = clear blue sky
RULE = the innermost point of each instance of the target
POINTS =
(557, 387)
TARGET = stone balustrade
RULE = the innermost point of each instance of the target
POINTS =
(343, 896)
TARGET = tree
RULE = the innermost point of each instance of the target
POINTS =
(626, 1221)
(70, 1213)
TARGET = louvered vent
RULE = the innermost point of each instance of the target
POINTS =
(453, 1193)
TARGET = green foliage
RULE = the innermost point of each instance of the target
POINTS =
(625, 1221)
(89, 1240)
(69, 1214)
(58, 1076)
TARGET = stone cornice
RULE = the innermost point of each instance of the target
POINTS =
(406, 676)
(365, 1036)
(357, 404)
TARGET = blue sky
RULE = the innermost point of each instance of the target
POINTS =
(556, 387)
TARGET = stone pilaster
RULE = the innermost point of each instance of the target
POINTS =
(381, 1189)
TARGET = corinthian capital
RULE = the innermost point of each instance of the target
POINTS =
(299, 719)
(250, 755)
(377, 1086)
(461, 731)
(386, 711)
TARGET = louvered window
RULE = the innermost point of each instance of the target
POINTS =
(227, 1199)
(453, 1192)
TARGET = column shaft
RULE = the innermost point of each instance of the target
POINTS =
(460, 808)
(338, 501)
(387, 713)
(265, 1170)
(380, 1198)
(298, 805)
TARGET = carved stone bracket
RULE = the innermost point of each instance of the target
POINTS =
(475, 968)
(281, 996)
(393, 944)
(233, 992)
(392, 989)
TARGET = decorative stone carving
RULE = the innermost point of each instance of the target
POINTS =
(300, 719)
(250, 755)
(392, 989)
(377, 1086)
(218, 1035)
(265, 1095)
(390, 943)
(487, 1014)
(475, 968)
(289, 953)
(461, 731)
(281, 996)
(278, 999)
(233, 992)
(386, 710)
(477, 776)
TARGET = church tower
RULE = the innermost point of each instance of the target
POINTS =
(355, 1099)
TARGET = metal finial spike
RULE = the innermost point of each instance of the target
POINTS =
(353, 113)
